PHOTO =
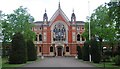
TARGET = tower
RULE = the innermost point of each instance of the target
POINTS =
(45, 18)
(73, 18)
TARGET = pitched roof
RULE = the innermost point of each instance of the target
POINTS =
(59, 11)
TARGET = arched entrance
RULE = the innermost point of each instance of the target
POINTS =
(59, 51)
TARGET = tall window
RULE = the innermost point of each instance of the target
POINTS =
(40, 37)
(51, 49)
(78, 37)
(83, 39)
(67, 49)
(40, 50)
(36, 38)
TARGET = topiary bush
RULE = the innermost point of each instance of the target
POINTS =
(85, 51)
(31, 51)
(95, 51)
(18, 51)
(117, 60)
(79, 52)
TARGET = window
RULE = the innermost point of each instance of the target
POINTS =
(40, 28)
(78, 28)
(67, 49)
(40, 49)
(59, 32)
(51, 49)
(82, 28)
(83, 39)
(36, 38)
(40, 37)
(78, 37)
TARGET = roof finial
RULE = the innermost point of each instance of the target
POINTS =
(59, 4)
(45, 10)
(73, 10)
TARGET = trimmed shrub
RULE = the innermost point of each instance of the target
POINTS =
(31, 51)
(85, 51)
(95, 51)
(18, 51)
(79, 52)
(117, 60)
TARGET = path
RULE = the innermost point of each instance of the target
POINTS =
(58, 62)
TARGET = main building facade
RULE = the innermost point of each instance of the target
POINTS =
(59, 36)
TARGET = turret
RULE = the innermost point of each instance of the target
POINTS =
(45, 18)
(73, 18)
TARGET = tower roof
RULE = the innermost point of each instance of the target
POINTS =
(73, 14)
(45, 14)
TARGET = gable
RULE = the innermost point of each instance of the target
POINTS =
(59, 16)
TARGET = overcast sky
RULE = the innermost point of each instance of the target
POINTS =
(37, 7)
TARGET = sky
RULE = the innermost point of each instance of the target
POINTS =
(37, 7)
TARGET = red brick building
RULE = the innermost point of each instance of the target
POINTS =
(59, 36)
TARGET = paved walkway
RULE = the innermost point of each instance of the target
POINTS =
(58, 62)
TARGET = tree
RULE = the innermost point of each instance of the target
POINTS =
(19, 21)
(101, 25)
(79, 52)
(1, 16)
(18, 51)
(114, 13)
(31, 51)
(1, 20)
(85, 51)
(95, 51)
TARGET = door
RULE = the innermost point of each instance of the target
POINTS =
(59, 51)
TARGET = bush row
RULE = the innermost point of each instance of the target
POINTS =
(90, 47)
(21, 51)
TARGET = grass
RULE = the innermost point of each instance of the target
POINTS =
(6, 65)
(107, 65)
(0, 62)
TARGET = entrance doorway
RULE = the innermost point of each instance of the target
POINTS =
(59, 51)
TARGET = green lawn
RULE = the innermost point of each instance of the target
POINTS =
(108, 65)
(0, 62)
(6, 65)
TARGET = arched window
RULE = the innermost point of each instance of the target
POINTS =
(36, 38)
(78, 37)
(40, 37)
(51, 49)
(67, 49)
(59, 32)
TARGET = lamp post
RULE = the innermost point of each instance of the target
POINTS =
(89, 28)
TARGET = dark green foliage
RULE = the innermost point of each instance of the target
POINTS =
(31, 51)
(118, 49)
(18, 51)
(114, 14)
(3, 50)
(85, 51)
(95, 51)
(117, 60)
(79, 52)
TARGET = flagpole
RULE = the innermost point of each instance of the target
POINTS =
(89, 28)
